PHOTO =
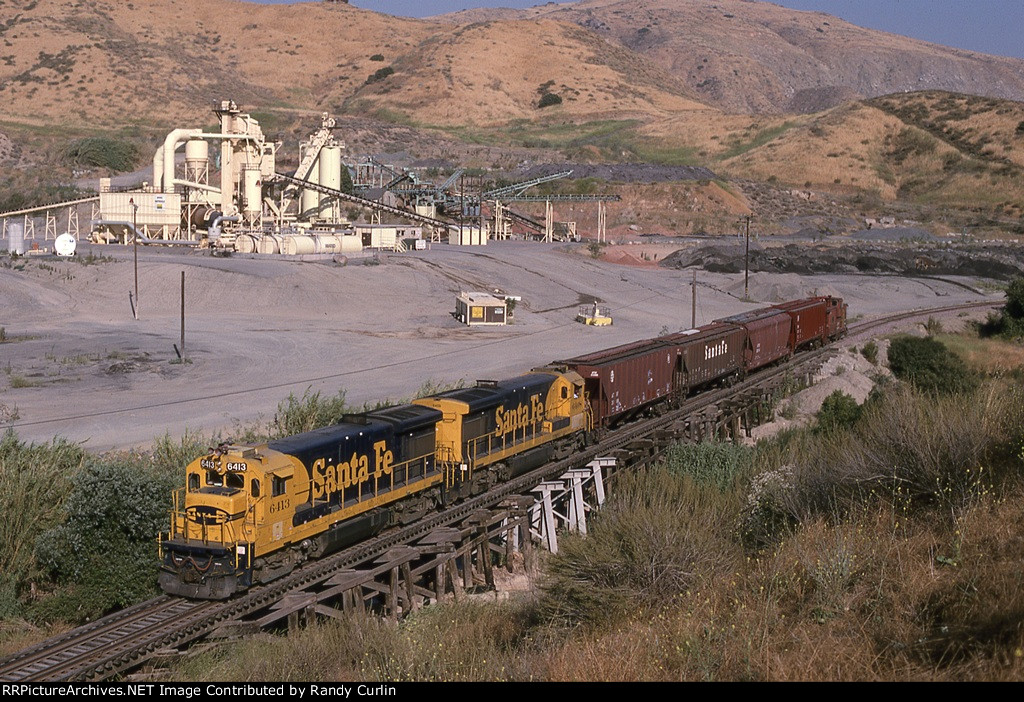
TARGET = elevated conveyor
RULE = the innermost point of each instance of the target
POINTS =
(364, 202)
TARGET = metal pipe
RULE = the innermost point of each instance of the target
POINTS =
(158, 169)
(214, 230)
(198, 186)
(142, 238)
(171, 143)
(178, 137)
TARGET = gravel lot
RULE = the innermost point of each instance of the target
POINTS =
(78, 365)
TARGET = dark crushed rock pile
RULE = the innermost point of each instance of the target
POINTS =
(984, 261)
(622, 172)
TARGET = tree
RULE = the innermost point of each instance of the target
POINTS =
(549, 99)
(1015, 299)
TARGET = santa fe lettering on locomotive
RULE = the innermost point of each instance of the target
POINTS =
(522, 416)
(329, 478)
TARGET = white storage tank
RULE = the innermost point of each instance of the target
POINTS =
(310, 201)
(15, 239)
(197, 159)
(253, 183)
(296, 245)
(245, 243)
(330, 177)
(271, 244)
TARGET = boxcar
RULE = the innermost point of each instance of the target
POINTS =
(621, 380)
(706, 354)
(768, 332)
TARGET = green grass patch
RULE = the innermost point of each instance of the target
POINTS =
(739, 146)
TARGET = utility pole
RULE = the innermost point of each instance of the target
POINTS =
(693, 297)
(135, 247)
(183, 316)
(480, 204)
(462, 208)
(746, 263)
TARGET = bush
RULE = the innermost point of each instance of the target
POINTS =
(929, 366)
(549, 99)
(171, 456)
(870, 352)
(102, 152)
(34, 481)
(380, 75)
(1015, 299)
(300, 414)
(377, 57)
(105, 547)
(921, 448)
(710, 463)
(658, 535)
(839, 411)
(1008, 324)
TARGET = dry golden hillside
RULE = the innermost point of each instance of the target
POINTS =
(158, 61)
(155, 62)
(743, 56)
(930, 148)
(632, 78)
(493, 72)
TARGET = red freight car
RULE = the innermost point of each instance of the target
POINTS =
(767, 335)
(706, 354)
(835, 316)
(809, 323)
(816, 320)
(623, 379)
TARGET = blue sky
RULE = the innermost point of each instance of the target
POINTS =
(990, 26)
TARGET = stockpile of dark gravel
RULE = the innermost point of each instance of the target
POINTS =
(1001, 262)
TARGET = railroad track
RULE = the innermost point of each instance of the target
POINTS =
(123, 640)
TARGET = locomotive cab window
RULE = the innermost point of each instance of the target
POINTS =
(234, 480)
(279, 486)
(214, 479)
(193, 482)
(565, 393)
(255, 488)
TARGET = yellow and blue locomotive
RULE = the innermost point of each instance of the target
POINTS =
(249, 514)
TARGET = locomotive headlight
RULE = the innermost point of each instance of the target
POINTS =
(241, 550)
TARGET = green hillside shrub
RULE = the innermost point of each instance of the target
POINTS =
(102, 152)
(929, 366)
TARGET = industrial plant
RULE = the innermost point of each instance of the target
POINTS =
(224, 190)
